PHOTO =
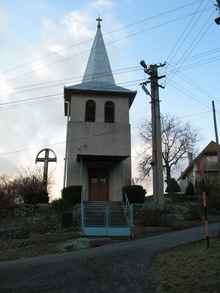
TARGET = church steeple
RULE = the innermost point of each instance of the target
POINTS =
(98, 75)
(98, 68)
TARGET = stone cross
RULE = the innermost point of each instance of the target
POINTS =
(46, 159)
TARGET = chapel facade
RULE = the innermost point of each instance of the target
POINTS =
(98, 145)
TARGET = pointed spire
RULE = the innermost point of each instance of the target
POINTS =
(98, 67)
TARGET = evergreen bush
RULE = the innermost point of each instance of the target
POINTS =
(190, 189)
(135, 193)
(29, 197)
(72, 194)
(36, 197)
(42, 197)
(60, 205)
(173, 186)
(67, 219)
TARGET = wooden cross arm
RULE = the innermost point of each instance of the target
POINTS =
(48, 160)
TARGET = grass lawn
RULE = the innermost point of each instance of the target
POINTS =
(190, 268)
(28, 251)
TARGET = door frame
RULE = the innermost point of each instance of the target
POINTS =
(99, 179)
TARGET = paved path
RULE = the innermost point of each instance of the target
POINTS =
(114, 268)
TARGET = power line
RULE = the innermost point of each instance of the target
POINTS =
(76, 55)
(70, 47)
(32, 101)
(193, 16)
(196, 86)
(69, 141)
(195, 39)
(196, 114)
(188, 93)
(59, 82)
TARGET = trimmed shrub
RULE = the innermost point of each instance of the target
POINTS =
(60, 205)
(151, 215)
(135, 193)
(39, 197)
(213, 203)
(190, 189)
(29, 197)
(173, 186)
(67, 220)
(72, 194)
(42, 197)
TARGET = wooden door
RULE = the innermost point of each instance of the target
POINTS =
(98, 184)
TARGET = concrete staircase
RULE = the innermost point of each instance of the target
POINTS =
(104, 211)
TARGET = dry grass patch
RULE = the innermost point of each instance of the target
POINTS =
(28, 251)
(190, 268)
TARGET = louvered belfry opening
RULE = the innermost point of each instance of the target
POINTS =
(109, 112)
(90, 111)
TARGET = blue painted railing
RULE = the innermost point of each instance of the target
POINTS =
(128, 209)
(102, 219)
(82, 211)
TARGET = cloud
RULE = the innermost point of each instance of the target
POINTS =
(76, 24)
(102, 4)
(43, 124)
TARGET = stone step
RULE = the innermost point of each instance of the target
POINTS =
(97, 216)
(105, 203)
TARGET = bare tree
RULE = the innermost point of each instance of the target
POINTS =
(6, 191)
(23, 187)
(177, 138)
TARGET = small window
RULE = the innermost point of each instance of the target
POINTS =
(90, 111)
(109, 112)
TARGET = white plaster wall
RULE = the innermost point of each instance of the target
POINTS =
(95, 138)
(99, 138)
(78, 103)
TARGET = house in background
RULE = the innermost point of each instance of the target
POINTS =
(98, 142)
(209, 159)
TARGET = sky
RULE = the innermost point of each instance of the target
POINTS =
(45, 45)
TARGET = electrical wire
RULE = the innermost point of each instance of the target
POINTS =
(70, 47)
(182, 35)
(69, 141)
(77, 79)
(190, 48)
(60, 82)
(196, 86)
(111, 42)
(48, 100)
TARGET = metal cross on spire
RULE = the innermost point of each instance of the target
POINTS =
(99, 20)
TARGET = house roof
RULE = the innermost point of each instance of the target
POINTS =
(98, 77)
(211, 148)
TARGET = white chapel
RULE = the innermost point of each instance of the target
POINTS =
(98, 145)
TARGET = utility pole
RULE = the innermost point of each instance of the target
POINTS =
(66, 150)
(217, 20)
(157, 165)
(216, 138)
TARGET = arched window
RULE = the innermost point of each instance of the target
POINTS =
(90, 111)
(109, 112)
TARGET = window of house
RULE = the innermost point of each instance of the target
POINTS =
(212, 158)
(109, 112)
(90, 111)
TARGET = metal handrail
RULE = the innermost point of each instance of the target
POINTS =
(106, 211)
(82, 212)
(127, 203)
(129, 206)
